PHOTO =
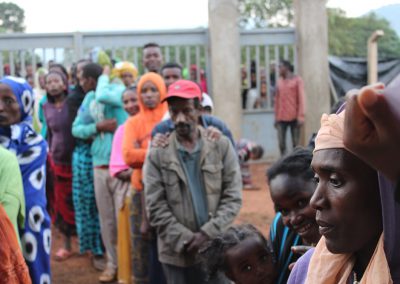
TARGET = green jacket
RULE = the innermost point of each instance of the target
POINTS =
(12, 189)
(168, 199)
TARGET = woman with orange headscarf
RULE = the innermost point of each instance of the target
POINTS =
(151, 91)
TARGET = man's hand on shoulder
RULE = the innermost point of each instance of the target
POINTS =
(213, 134)
(160, 140)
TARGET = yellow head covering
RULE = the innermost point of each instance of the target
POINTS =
(124, 66)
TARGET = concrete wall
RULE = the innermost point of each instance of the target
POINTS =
(312, 56)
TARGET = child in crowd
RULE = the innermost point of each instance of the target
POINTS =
(248, 150)
(122, 172)
(242, 253)
(61, 144)
(86, 213)
(291, 184)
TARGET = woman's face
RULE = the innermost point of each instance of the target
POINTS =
(291, 196)
(130, 101)
(250, 262)
(55, 85)
(10, 112)
(347, 201)
(150, 95)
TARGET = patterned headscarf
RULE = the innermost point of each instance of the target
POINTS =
(23, 92)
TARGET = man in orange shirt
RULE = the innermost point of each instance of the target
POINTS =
(289, 105)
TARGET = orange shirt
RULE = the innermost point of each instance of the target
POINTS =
(138, 129)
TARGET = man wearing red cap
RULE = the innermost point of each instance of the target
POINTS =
(192, 188)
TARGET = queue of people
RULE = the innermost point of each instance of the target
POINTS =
(151, 182)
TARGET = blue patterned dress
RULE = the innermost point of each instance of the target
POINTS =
(31, 151)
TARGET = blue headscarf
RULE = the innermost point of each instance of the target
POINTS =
(31, 151)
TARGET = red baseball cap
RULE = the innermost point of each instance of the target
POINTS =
(184, 89)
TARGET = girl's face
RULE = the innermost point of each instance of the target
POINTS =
(130, 101)
(150, 95)
(291, 196)
(9, 108)
(127, 79)
(55, 84)
(250, 262)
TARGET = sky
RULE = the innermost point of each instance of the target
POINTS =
(51, 16)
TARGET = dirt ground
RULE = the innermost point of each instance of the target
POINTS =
(257, 209)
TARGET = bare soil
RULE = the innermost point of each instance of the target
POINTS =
(257, 209)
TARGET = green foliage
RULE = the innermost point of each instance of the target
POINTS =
(11, 18)
(265, 13)
(349, 36)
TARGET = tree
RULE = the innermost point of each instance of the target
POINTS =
(11, 18)
(349, 36)
(265, 13)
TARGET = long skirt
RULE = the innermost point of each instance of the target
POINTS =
(64, 215)
(86, 214)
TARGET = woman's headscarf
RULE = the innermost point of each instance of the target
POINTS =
(326, 267)
(123, 67)
(21, 138)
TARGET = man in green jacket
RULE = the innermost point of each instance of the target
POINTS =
(192, 188)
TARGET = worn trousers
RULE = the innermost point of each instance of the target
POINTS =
(281, 127)
(110, 193)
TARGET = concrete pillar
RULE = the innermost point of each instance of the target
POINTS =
(312, 55)
(224, 49)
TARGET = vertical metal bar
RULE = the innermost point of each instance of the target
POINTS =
(295, 62)
(22, 60)
(1, 64)
(33, 54)
(198, 63)
(268, 76)
(78, 46)
(11, 61)
(125, 53)
(276, 54)
(135, 57)
(248, 67)
(113, 53)
(44, 58)
(208, 67)
(55, 55)
(286, 52)
(167, 54)
(177, 58)
(258, 77)
(187, 63)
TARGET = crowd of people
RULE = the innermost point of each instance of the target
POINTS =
(150, 182)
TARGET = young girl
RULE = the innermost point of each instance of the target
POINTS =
(61, 144)
(291, 186)
(122, 172)
(242, 253)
